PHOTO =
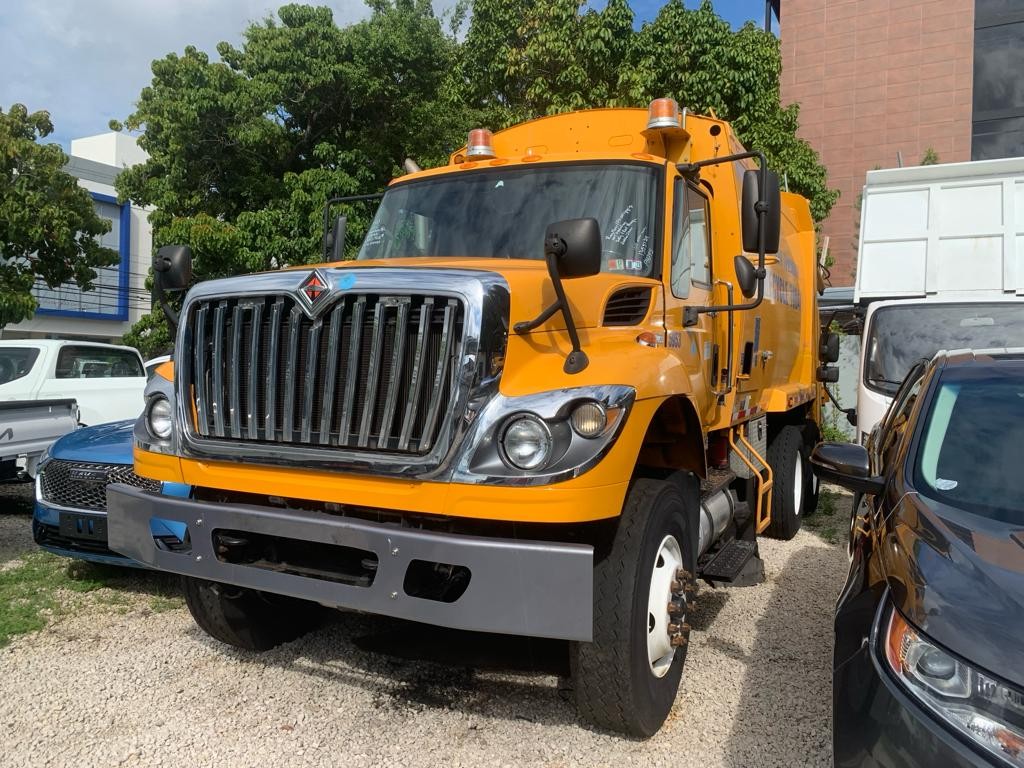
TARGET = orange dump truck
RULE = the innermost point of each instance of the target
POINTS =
(571, 373)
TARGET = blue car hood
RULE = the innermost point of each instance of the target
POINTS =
(102, 444)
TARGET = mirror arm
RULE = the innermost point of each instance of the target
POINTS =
(576, 360)
(161, 297)
(331, 202)
(692, 170)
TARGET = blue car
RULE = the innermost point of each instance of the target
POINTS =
(70, 514)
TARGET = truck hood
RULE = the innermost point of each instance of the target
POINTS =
(529, 284)
(960, 578)
(102, 444)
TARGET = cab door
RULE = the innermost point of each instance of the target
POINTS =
(690, 281)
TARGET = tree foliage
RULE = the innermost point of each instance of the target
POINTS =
(49, 228)
(245, 150)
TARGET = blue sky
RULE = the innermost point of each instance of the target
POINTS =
(86, 60)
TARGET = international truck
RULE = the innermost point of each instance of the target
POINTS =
(569, 374)
(940, 266)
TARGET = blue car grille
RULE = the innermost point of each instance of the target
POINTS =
(83, 485)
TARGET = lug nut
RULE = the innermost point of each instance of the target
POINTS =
(685, 627)
(682, 574)
(674, 629)
(675, 609)
(676, 586)
(677, 640)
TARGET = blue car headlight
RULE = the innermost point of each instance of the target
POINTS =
(987, 711)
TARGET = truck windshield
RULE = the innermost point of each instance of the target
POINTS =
(970, 450)
(503, 213)
(899, 336)
(16, 362)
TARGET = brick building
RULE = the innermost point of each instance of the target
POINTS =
(883, 81)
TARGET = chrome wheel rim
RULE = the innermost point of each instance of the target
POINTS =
(668, 564)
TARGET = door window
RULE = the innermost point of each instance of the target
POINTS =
(16, 362)
(97, 363)
(691, 253)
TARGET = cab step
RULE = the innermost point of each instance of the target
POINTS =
(728, 563)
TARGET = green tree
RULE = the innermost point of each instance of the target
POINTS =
(244, 151)
(526, 58)
(49, 228)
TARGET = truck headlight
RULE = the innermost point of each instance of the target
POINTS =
(160, 418)
(526, 442)
(987, 711)
(546, 437)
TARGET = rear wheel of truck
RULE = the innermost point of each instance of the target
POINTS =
(627, 678)
(786, 457)
(246, 618)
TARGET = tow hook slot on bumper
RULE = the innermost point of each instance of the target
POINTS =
(485, 584)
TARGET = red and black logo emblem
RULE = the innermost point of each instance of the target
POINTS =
(314, 288)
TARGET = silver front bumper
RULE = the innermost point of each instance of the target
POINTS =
(537, 589)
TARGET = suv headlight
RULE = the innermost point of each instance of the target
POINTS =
(988, 711)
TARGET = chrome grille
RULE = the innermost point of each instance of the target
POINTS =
(372, 372)
(57, 485)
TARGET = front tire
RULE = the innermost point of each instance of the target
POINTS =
(789, 467)
(246, 618)
(627, 679)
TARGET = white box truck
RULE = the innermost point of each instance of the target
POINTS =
(940, 266)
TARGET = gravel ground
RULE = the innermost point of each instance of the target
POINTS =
(124, 685)
(15, 520)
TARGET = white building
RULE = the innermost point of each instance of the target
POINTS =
(119, 297)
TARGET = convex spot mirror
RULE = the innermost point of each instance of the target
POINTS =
(745, 276)
(773, 216)
(172, 266)
(829, 349)
(575, 245)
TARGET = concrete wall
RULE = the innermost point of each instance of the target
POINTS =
(875, 78)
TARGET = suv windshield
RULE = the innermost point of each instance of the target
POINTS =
(900, 336)
(969, 456)
(503, 213)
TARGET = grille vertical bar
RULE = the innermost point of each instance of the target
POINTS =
(291, 371)
(252, 417)
(333, 350)
(200, 390)
(395, 373)
(352, 374)
(217, 364)
(416, 381)
(309, 385)
(374, 373)
(234, 370)
(276, 309)
(370, 400)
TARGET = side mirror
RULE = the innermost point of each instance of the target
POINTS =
(846, 464)
(746, 276)
(172, 267)
(828, 352)
(334, 240)
(752, 195)
(851, 417)
(827, 374)
(575, 247)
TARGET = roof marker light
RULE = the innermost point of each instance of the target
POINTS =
(480, 145)
(663, 113)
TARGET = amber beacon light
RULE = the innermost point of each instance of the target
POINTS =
(663, 113)
(480, 145)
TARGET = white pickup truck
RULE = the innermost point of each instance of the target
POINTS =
(106, 380)
(27, 428)
(940, 266)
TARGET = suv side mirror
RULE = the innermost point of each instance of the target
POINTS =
(752, 195)
(575, 246)
(172, 267)
(746, 276)
(846, 464)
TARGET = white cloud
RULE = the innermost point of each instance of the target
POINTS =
(87, 60)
